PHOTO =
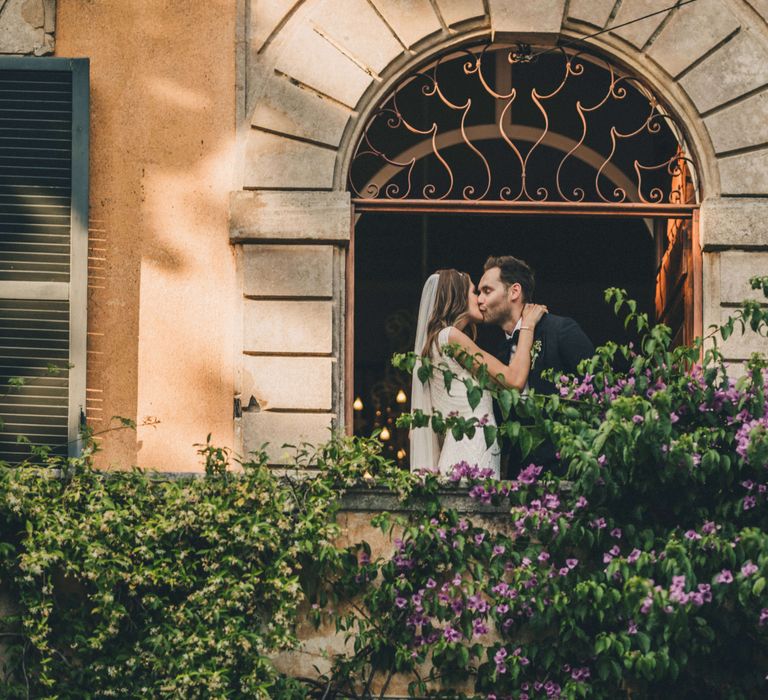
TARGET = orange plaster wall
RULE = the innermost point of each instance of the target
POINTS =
(162, 297)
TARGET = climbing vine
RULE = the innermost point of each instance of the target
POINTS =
(641, 572)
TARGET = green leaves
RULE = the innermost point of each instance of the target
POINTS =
(474, 394)
(490, 433)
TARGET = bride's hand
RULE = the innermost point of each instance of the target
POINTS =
(532, 314)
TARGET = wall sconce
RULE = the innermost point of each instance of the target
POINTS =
(385, 434)
(358, 404)
(401, 397)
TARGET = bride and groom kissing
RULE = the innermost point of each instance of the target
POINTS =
(535, 340)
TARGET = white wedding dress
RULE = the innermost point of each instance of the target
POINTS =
(472, 450)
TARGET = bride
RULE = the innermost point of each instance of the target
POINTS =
(447, 315)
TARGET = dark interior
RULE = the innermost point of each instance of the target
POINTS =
(575, 259)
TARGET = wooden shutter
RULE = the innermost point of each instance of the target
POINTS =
(43, 251)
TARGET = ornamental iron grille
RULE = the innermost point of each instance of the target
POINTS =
(500, 124)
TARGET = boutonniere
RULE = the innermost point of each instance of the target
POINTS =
(535, 351)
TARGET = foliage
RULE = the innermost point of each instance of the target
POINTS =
(130, 585)
(640, 574)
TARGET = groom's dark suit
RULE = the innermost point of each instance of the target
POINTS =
(562, 346)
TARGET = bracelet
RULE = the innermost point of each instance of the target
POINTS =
(525, 328)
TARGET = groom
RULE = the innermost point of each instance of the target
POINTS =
(506, 286)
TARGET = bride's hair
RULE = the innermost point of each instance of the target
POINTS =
(451, 305)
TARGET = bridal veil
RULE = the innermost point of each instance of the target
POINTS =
(425, 448)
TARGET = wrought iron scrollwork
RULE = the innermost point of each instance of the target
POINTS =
(498, 123)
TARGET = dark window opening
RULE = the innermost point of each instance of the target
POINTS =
(575, 259)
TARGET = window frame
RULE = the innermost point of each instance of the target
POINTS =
(77, 289)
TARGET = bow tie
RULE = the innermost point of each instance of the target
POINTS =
(508, 345)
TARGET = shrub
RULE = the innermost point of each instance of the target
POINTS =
(641, 573)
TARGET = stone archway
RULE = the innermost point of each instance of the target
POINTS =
(313, 70)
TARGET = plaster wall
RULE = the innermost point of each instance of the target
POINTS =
(161, 268)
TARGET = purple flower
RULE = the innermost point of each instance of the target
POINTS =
(598, 523)
(479, 537)
(431, 583)
(749, 502)
(748, 568)
(502, 608)
(564, 571)
(580, 674)
(543, 556)
(692, 535)
(498, 549)
(571, 563)
(637, 419)
(763, 616)
(673, 417)
(725, 576)
(451, 634)
(401, 602)
(477, 602)
(634, 555)
(479, 627)
(529, 474)
(708, 527)
(601, 460)
(581, 502)
(616, 533)
(632, 628)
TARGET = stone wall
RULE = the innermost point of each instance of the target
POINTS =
(27, 26)
(312, 71)
(318, 644)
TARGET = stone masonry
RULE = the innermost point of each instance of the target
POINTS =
(27, 26)
(312, 71)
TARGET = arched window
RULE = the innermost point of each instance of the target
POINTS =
(555, 156)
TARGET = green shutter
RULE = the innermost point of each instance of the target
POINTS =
(43, 251)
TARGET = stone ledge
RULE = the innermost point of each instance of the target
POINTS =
(290, 216)
(734, 222)
(361, 499)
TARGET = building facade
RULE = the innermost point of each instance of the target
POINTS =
(222, 220)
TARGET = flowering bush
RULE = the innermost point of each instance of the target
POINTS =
(641, 573)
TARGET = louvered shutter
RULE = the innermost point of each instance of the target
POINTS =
(43, 251)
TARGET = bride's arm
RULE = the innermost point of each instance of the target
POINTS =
(516, 372)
